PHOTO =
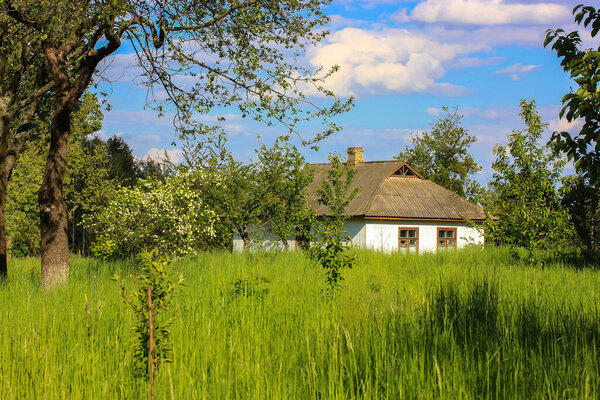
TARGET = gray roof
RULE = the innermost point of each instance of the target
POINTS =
(384, 194)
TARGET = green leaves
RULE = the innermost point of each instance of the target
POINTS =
(523, 193)
(283, 176)
(583, 65)
(336, 191)
(155, 272)
(442, 155)
(170, 215)
(582, 200)
(330, 247)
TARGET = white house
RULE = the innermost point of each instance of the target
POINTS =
(396, 209)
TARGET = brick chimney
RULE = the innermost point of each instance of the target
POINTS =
(355, 155)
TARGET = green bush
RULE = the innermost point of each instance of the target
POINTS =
(168, 214)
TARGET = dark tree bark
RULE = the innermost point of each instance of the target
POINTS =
(54, 221)
(3, 185)
(245, 235)
(53, 210)
(17, 100)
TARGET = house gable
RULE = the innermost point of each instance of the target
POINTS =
(395, 190)
(406, 171)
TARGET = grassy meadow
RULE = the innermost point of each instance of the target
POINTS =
(465, 324)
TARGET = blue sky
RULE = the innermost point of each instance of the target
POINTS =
(402, 61)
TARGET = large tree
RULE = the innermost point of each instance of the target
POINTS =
(283, 176)
(238, 198)
(201, 54)
(24, 84)
(524, 191)
(88, 186)
(442, 154)
(266, 195)
(583, 65)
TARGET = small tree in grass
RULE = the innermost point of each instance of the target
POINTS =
(155, 287)
(330, 248)
(238, 198)
(524, 195)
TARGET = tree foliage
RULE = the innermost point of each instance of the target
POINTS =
(583, 66)
(156, 273)
(200, 55)
(237, 199)
(283, 176)
(268, 194)
(336, 192)
(524, 195)
(122, 166)
(22, 223)
(329, 240)
(87, 187)
(442, 154)
(582, 201)
(170, 215)
(24, 83)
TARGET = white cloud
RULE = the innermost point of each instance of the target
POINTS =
(401, 15)
(562, 125)
(121, 67)
(488, 12)
(466, 62)
(436, 112)
(235, 128)
(162, 155)
(477, 39)
(516, 70)
(348, 4)
(146, 119)
(386, 61)
(339, 21)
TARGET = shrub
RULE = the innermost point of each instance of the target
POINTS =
(168, 214)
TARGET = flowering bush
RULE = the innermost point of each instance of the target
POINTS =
(167, 214)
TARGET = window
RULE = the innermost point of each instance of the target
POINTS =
(408, 240)
(302, 239)
(446, 238)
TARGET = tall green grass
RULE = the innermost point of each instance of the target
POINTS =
(465, 324)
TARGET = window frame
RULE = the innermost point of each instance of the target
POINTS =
(409, 228)
(445, 238)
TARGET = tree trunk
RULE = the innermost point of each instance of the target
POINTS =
(3, 235)
(53, 210)
(5, 130)
(243, 231)
(9, 154)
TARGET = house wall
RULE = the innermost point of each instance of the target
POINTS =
(356, 231)
(355, 228)
(267, 241)
(383, 234)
